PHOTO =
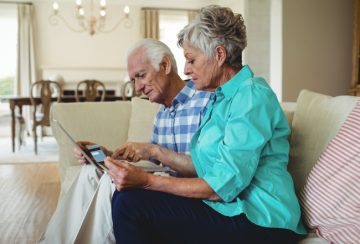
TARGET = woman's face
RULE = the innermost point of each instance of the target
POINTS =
(203, 71)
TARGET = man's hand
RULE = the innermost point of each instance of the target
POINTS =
(134, 151)
(80, 157)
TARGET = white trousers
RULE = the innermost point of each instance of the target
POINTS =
(84, 214)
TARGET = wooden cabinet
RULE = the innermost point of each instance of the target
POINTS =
(355, 82)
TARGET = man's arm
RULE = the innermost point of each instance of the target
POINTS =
(133, 151)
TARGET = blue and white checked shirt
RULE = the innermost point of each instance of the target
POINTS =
(174, 126)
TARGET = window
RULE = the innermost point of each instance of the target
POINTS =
(170, 23)
(8, 43)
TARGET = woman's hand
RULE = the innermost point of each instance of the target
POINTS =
(82, 144)
(125, 175)
(133, 151)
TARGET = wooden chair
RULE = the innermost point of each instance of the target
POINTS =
(46, 92)
(91, 91)
(128, 91)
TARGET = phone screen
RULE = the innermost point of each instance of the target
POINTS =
(96, 152)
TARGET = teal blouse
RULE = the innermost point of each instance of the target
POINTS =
(241, 150)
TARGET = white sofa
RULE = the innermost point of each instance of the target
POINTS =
(314, 120)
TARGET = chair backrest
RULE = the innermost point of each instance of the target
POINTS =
(44, 92)
(91, 91)
(128, 90)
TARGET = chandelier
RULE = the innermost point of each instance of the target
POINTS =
(92, 22)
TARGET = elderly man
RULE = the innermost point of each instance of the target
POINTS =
(84, 214)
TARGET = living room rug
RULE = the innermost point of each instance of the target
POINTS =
(47, 147)
(47, 151)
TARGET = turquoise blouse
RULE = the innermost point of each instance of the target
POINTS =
(241, 150)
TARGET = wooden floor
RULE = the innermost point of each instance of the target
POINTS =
(28, 197)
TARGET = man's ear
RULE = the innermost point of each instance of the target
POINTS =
(166, 65)
(220, 55)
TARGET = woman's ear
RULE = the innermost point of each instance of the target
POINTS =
(220, 55)
(166, 64)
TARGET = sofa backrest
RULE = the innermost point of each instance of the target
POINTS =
(142, 117)
(316, 120)
(105, 123)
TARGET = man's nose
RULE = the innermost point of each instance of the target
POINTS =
(138, 86)
(187, 70)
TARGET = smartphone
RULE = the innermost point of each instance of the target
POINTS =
(97, 154)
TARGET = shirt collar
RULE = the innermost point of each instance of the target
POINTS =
(187, 92)
(229, 88)
(183, 96)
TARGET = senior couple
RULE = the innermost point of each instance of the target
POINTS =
(223, 133)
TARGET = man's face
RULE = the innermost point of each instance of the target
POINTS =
(150, 82)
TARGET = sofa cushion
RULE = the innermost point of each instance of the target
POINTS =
(316, 121)
(105, 123)
(331, 196)
(143, 113)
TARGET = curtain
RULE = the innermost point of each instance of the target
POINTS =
(151, 23)
(192, 14)
(25, 54)
(25, 57)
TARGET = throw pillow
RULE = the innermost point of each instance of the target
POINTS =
(316, 121)
(330, 199)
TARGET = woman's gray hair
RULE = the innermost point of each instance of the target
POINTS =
(155, 51)
(216, 26)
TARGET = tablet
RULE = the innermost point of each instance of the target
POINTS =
(98, 156)
(93, 149)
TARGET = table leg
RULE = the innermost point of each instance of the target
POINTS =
(12, 108)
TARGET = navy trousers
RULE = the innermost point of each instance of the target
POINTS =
(143, 216)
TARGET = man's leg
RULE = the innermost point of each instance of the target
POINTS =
(97, 226)
(143, 216)
(72, 208)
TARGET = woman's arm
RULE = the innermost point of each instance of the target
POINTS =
(126, 176)
(181, 163)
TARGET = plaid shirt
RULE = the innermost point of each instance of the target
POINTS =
(174, 126)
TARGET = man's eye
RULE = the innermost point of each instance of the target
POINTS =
(191, 61)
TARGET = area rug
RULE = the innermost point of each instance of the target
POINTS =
(47, 151)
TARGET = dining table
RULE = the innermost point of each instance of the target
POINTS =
(20, 101)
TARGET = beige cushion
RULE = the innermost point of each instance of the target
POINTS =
(289, 110)
(316, 121)
(143, 113)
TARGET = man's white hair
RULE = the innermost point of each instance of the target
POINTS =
(155, 51)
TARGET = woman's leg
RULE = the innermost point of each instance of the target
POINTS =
(142, 216)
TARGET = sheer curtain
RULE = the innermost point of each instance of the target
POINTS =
(151, 23)
(26, 72)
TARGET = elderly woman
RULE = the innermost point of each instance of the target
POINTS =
(235, 187)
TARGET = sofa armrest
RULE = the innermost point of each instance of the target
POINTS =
(105, 123)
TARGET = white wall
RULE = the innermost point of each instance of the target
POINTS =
(62, 51)
(257, 21)
(315, 39)
(58, 47)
